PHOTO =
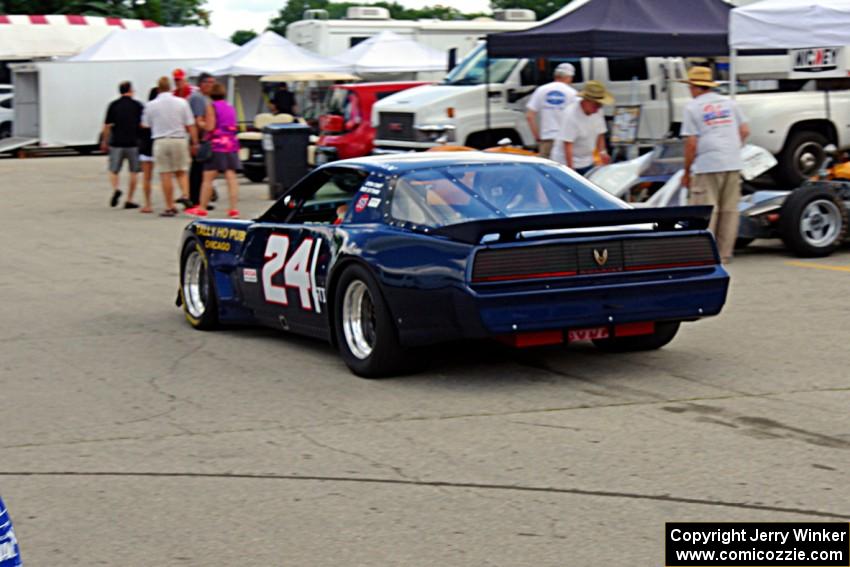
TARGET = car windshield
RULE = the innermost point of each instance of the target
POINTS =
(440, 196)
(473, 69)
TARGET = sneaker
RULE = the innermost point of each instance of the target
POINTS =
(196, 212)
(130, 205)
(233, 213)
(116, 196)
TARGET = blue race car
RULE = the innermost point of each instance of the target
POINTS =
(435, 247)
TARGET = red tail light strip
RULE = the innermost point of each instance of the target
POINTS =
(525, 276)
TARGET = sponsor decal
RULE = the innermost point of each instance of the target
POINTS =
(249, 275)
(815, 60)
(361, 203)
(374, 202)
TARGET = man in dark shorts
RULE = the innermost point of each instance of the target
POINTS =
(199, 102)
(120, 138)
(283, 101)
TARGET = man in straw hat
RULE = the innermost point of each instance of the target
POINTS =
(714, 129)
(583, 129)
(548, 104)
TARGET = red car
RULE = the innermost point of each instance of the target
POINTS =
(346, 131)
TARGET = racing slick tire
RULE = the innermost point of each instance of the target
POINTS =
(800, 158)
(664, 333)
(197, 290)
(813, 221)
(365, 333)
(254, 173)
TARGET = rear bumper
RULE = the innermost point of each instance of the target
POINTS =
(498, 309)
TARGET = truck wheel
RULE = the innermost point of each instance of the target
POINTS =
(664, 333)
(254, 173)
(197, 290)
(365, 333)
(800, 159)
(488, 139)
(813, 221)
(741, 243)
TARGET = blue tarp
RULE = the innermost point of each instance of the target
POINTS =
(624, 28)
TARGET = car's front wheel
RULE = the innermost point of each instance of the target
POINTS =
(197, 291)
(365, 333)
(664, 333)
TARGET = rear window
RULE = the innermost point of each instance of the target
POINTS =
(446, 195)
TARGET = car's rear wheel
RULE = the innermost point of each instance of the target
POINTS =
(197, 291)
(664, 333)
(365, 333)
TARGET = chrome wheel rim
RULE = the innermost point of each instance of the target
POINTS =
(358, 320)
(820, 223)
(809, 157)
(195, 287)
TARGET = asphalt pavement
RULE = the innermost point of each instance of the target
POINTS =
(130, 439)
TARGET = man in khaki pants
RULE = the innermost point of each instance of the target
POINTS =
(714, 129)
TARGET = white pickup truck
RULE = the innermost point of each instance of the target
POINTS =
(794, 125)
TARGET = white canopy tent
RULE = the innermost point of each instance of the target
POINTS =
(266, 54)
(157, 44)
(788, 24)
(391, 53)
(269, 54)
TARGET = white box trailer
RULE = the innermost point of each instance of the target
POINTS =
(332, 37)
(63, 103)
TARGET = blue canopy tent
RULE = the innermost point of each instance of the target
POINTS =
(624, 28)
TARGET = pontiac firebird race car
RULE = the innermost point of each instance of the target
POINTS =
(437, 247)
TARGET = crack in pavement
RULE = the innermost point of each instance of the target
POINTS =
(364, 458)
(440, 484)
(396, 418)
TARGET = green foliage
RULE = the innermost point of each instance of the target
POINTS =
(543, 8)
(293, 11)
(241, 37)
(165, 12)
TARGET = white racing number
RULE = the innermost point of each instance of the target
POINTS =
(298, 272)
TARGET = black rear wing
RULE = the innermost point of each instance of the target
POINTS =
(664, 218)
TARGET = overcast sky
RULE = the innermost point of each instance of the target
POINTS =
(231, 15)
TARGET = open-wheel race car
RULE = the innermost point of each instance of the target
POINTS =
(436, 247)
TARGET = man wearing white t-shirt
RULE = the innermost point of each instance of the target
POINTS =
(547, 106)
(583, 129)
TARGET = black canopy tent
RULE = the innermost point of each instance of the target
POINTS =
(624, 28)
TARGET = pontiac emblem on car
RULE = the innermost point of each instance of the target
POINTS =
(600, 257)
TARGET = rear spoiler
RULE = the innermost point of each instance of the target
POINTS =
(664, 218)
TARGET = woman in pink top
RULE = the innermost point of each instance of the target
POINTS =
(221, 132)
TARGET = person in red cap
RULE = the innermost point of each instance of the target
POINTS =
(182, 88)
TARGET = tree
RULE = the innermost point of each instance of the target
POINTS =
(294, 10)
(241, 37)
(542, 8)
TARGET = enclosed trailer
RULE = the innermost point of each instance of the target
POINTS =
(63, 103)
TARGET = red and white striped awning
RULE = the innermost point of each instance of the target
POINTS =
(24, 37)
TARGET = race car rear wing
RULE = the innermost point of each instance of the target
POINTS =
(508, 229)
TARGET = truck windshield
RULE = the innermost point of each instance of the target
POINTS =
(473, 69)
